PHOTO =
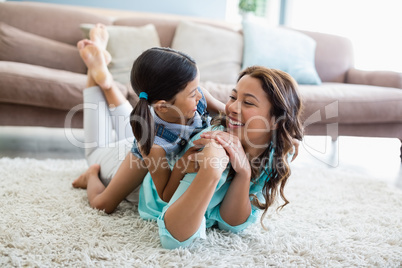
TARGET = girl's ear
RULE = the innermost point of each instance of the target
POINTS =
(161, 106)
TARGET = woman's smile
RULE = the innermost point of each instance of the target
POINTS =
(233, 123)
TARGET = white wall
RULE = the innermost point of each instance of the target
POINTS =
(374, 26)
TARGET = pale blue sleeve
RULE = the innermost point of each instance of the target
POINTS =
(169, 242)
(216, 216)
(254, 215)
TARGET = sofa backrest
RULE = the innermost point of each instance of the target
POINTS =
(49, 20)
(166, 24)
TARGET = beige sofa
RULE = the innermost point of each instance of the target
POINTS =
(42, 76)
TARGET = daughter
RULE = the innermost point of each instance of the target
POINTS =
(171, 108)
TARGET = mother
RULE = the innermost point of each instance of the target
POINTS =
(262, 119)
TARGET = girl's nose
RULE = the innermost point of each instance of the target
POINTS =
(199, 95)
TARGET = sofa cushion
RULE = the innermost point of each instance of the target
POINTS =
(217, 51)
(165, 27)
(17, 45)
(350, 103)
(279, 48)
(166, 24)
(125, 45)
(220, 91)
(39, 86)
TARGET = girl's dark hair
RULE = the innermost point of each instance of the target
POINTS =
(282, 92)
(161, 73)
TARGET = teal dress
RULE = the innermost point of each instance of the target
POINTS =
(151, 207)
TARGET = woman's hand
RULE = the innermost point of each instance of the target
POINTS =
(234, 150)
(213, 155)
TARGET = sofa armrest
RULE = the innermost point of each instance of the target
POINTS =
(333, 56)
(374, 78)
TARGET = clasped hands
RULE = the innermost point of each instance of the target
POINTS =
(214, 150)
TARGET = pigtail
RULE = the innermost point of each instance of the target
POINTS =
(143, 126)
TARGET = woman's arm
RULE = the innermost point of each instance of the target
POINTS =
(236, 206)
(213, 105)
(183, 218)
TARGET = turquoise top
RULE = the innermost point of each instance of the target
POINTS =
(151, 207)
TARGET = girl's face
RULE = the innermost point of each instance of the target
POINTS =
(248, 114)
(185, 103)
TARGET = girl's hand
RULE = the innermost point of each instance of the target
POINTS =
(234, 150)
(186, 165)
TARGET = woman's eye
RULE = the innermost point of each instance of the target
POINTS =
(232, 97)
(248, 103)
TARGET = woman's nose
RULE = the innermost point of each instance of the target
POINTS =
(234, 107)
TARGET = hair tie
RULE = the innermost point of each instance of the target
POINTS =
(143, 95)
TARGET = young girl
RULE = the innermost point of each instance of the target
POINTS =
(263, 117)
(171, 108)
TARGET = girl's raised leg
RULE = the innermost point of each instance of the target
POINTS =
(101, 95)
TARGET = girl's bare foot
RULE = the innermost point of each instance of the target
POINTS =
(99, 35)
(95, 61)
(82, 181)
(82, 43)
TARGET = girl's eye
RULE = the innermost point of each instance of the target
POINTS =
(232, 97)
(248, 103)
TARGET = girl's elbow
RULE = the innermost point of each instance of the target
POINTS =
(101, 205)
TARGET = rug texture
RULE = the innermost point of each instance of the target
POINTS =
(335, 219)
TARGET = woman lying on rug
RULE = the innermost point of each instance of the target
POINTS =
(217, 195)
(256, 136)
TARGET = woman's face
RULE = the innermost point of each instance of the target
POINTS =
(248, 114)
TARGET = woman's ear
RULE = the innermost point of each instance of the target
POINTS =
(274, 122)
(161, 106)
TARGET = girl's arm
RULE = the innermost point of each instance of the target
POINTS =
(166, 181)
(213, 105)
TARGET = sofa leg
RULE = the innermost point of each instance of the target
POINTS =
(401, 150)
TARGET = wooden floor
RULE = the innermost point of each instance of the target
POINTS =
(378, 157)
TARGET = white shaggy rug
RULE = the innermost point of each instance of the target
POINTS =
(335, 219)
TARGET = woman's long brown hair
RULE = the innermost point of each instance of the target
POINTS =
(282, 92)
